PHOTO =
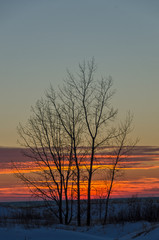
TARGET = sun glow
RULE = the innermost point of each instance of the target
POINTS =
(140, 175)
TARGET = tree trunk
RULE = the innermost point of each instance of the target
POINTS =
(109, 192)
(106, 210)
(89, 186)
(67, 207)
(60, 204)
(89, 203)
(60, 211)
(78, 198)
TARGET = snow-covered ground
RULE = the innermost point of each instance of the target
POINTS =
(125, 224)
(138, 231)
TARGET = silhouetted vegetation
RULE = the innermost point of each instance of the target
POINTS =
(64, 132)
(36, 214)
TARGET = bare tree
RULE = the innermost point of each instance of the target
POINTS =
(68, 111)
(77, 116)
(93, 97)
(49, 148)
(122, 147)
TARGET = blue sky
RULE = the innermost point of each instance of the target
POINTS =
(41, 39)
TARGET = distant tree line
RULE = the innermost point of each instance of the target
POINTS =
(65, 126)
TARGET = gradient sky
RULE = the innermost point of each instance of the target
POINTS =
(40, 39)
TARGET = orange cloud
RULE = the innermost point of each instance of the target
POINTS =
(141, 174)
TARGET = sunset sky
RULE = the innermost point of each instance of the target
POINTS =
(41, 39)
(140, 175)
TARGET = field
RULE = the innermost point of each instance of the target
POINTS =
(133, 218)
